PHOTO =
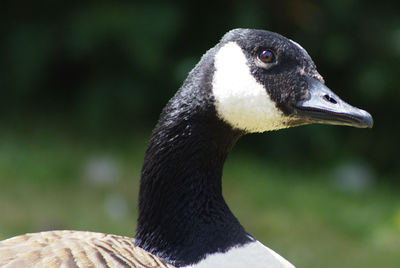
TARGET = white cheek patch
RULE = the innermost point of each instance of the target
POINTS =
(254, 255)
(239, 99)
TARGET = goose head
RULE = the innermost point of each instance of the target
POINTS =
(251, 81)
(263, 81)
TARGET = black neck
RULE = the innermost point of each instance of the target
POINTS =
(182, 214)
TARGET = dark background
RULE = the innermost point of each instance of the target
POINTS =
(111, 66)
(82, 84)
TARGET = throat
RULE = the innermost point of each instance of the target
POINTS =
(182, 214)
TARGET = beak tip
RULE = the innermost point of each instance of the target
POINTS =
(367, 120)
(325, 107)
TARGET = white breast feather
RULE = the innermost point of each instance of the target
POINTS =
(254, 255)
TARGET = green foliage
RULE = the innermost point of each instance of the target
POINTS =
(112, 65)
(82, 79)
(45, 184)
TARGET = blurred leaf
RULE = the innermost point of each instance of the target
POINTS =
(142, 31)
(27, 51)
(372, 82)
(337, 49)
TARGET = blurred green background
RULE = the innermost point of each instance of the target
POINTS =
(82, 85)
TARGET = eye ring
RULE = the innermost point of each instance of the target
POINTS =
(267, 56)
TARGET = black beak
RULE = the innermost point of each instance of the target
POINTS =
(325, 107)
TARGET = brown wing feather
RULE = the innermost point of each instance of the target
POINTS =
(75, 249)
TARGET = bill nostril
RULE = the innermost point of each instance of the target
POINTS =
(330, 99)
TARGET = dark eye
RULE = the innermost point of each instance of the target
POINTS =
(267, 56)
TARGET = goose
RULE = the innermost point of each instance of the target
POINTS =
(251, 81)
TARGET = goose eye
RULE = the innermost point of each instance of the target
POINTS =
(267, 56)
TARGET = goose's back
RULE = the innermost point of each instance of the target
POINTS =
(75, 249)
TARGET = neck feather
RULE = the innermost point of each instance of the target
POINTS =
(182, 214)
